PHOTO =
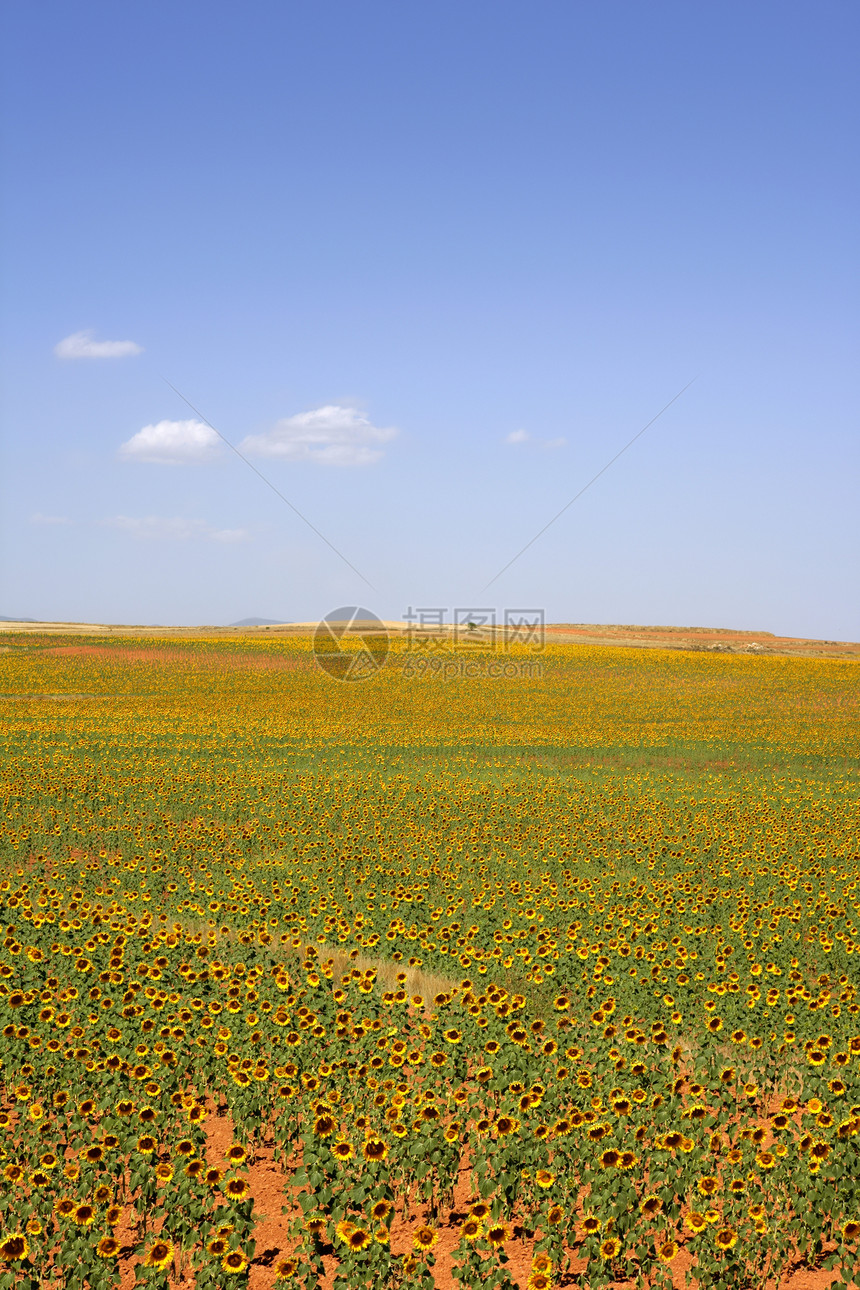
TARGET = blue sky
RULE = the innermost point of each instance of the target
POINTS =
(430, 266)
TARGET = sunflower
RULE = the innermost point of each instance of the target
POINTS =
(159, 1255)
(610, 1159)
(237, 1155)
(471, 1229)
(609, 1249)
(666, 1251)
(695, 1222)
(708, 1186)
(343, 1150)
(539, 1281)
(15, 1246)
(218, 1246)
(146, 1144)
(237, 1188)
(235, 1261)
(380, 1210)
(497, 1234)
(324, 1126)
(212, 1177)
(285, 1269)
(726, 1238)
(591, 1225)
(375, 1150)
(544, 1178)
(850, 1230)
(650, 1205)
(84, 1215)
(359, 1238)
(425, 1238)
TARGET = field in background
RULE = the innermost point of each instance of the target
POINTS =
(548, 981)
(714, 640)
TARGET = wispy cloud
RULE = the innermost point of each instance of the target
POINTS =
(172, 443)
(329, 436)
(523, 436)
(176, 529)
(81, 345)
(39, 518)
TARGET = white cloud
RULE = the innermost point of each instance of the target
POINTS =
(228, 535)
(81, 345)
(330, 436)
(171, 443)
(174, 530)
(39, 518)
(523, 436)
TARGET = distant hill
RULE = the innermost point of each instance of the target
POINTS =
(258, 622)
(4, 618)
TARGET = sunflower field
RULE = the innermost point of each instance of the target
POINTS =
(511, 982)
